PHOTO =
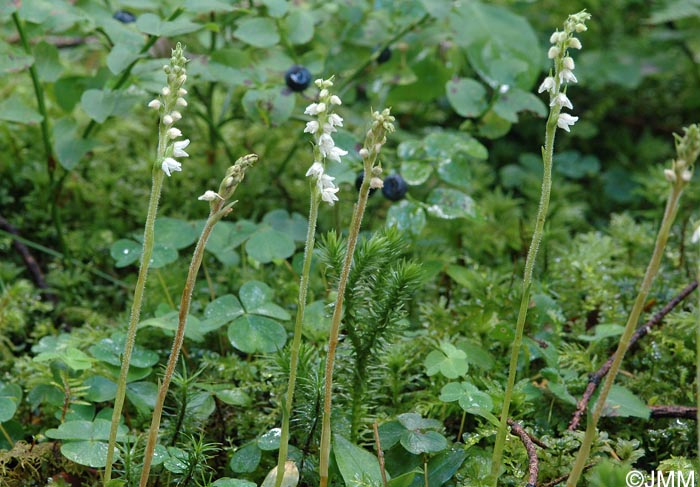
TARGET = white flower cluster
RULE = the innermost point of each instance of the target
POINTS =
(168, 104)
(322, 129)
(555, 84)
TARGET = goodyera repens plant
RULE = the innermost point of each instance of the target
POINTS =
(321, 188)
(678, 175)
(218, 208)
(382, 124)
(168, 105)
(555, 85)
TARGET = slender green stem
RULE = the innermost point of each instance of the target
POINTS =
(7, 436)
(651, 271)
(166, 291)
(697, 365)
(547, 156)
(40, 98)
(216, 214)
(148, 241)
(298, 325)
(335, 323)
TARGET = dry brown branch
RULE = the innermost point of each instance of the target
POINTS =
(595, 378)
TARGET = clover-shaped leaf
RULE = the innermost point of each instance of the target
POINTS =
(257, 296)
(252, 333)
(10, 396)
(449, 361)
(470, 399)
(85, 442)
(109, 350)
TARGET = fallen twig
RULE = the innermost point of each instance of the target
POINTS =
(29, 261)
(687, 412)
(563, 478)
(595, 378)
(533, 461)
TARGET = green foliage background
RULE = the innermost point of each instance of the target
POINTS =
(460, 80)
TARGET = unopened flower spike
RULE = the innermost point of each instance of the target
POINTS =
(168, 104)
(687, 152)
(555, 83)
(235, 174)
(321, 129)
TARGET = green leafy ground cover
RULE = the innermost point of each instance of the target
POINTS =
(461, 78)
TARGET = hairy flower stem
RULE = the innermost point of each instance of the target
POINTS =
(623, 345)
(148, 240)
(217, 212)
(298, 325)
(353, 234)
(547, 156)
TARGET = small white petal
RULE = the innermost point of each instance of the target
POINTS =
(210, 195)
(376, 183)
(181, 92)
(562, 100)
(323, 93)
(176, 115)
(155, 104)
(565, 121)
(686, 175)
(328, 195)
(336, 153)
(335, 100)
(335, 120)
(696, 235)
(174, 132)
(179, 148)
(670, 175)
(547, 84)
(165, 91)
(316, 170)
(567, 76)
(364, 153)
(168, 120)
(568, 63)
(181, 102)
(574, 43)
(170, 165)
(311, 127)
(553, 52)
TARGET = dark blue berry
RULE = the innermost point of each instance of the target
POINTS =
(358, 182)
(124, 17)
(297, 78)
(394, 188)
(384, 56)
